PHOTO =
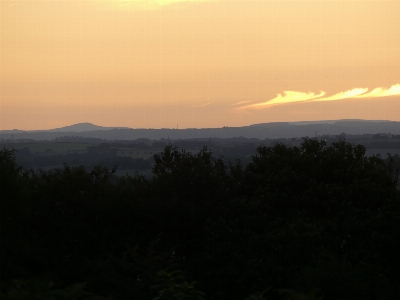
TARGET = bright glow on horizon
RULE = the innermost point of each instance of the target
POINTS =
(293, 96)
(199, 63)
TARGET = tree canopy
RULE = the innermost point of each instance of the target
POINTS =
(319, 220)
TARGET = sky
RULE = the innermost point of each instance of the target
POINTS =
(197, 63)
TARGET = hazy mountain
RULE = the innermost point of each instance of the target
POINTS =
(261, 131)
(352, 121)
(82, 127)
(11, 131)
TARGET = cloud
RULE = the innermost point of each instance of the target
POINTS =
(201, 105)
(362, 93)
(381, 92)
(344, 95)
(240, 103)
(356, 93)
(288, 97)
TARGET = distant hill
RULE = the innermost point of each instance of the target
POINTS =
(348, 121)
(260, 131)
(82, 127)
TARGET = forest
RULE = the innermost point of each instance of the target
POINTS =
(130, 156)
(311, 221)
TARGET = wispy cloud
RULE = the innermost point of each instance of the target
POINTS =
(381, 92)
(202, 105)
(287, 97)
(241, 103)
(356, 93)
(344, 95)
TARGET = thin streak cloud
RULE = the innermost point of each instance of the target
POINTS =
(202, 105)
(344, 95)
(357, 93)
(381, 92)
(288, 97)
(241, 102)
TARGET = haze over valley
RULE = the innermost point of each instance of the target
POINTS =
(260, 131)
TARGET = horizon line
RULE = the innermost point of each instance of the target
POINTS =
(174, 128)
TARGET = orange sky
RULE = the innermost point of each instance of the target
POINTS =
(155, 64)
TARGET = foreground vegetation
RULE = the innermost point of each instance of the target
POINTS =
(321, 221)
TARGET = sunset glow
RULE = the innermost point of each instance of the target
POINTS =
(199, 63)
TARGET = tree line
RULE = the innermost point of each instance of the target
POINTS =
(306, 222)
